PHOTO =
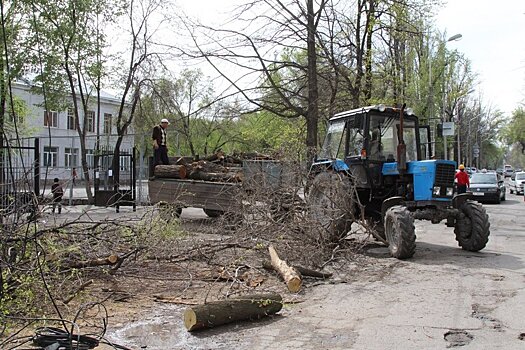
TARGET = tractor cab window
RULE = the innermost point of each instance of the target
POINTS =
(347, 131)
(333, 147)
(383, 138)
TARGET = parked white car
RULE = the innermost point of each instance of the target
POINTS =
(517, 181)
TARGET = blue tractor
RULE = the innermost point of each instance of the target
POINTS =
(375, 165)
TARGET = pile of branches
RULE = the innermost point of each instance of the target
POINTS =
(63, 263)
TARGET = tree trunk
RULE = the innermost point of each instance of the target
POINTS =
(313, 93)
(247, 307)
(288, 273)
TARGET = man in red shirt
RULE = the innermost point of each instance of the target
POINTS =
(463, 179)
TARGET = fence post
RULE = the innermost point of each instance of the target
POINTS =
(36, 151)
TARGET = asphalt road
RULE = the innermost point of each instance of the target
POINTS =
(442, 297)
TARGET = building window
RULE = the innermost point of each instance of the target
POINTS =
(50, 156)
(71, 157)
(107, 123)
(125, 163)
(71, 119)
(51, 119)
(90, 121)
(90, 158)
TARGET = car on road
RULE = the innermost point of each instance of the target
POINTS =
(487, 187)
(470, 170)
(499, 171)
(508, 170)
(516, 182)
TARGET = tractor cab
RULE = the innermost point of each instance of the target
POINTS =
(368, 139)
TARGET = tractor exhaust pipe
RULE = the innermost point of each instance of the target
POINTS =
(401, 147)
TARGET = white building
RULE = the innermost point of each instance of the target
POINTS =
(59, 140)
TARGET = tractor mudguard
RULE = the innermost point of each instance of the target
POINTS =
(459, 199)
(390, 202)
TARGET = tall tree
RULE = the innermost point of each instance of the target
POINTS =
(69, 37)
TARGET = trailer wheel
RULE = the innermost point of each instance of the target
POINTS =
(400, 232)
(330, 204)
(472, 226)
(212, 213)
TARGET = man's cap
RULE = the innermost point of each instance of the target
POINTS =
(461, 167)
(165, 121)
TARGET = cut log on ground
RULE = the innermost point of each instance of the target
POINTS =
(291, 277)
(247, 307)
(171, 171)
(110, 260)
(304, 271)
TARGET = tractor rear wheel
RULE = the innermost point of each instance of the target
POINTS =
(400, 232)
(472, 226)
(330, 204)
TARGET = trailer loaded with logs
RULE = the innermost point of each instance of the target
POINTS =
(218, 183)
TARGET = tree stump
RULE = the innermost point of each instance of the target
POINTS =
(247, 307)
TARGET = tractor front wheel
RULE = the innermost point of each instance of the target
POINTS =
(400, 232)
(472, 226)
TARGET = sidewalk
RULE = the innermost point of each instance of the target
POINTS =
(79, 196)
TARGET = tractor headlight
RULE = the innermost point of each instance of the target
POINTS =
(436, 190)
(450, 191)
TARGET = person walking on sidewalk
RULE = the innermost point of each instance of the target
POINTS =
(58, 193)
(74, 175)
(160, 149)
(463, 179)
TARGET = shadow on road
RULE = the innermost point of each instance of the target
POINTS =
(237, 327)
(436, 254)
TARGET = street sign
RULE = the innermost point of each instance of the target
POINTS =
(448, 129)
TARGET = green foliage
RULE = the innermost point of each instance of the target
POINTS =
(18, 297)
(265, 132)
(514, 136)
(515, 130)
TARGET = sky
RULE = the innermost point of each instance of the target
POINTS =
(493, 39)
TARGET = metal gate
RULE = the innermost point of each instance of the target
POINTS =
(19, 176)
(115, 182)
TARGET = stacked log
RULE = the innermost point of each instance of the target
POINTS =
(171, 171)
(217, 167)
(209, 171)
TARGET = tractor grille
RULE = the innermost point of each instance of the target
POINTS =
(444, 175)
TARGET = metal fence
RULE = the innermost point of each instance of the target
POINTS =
(19, 176)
